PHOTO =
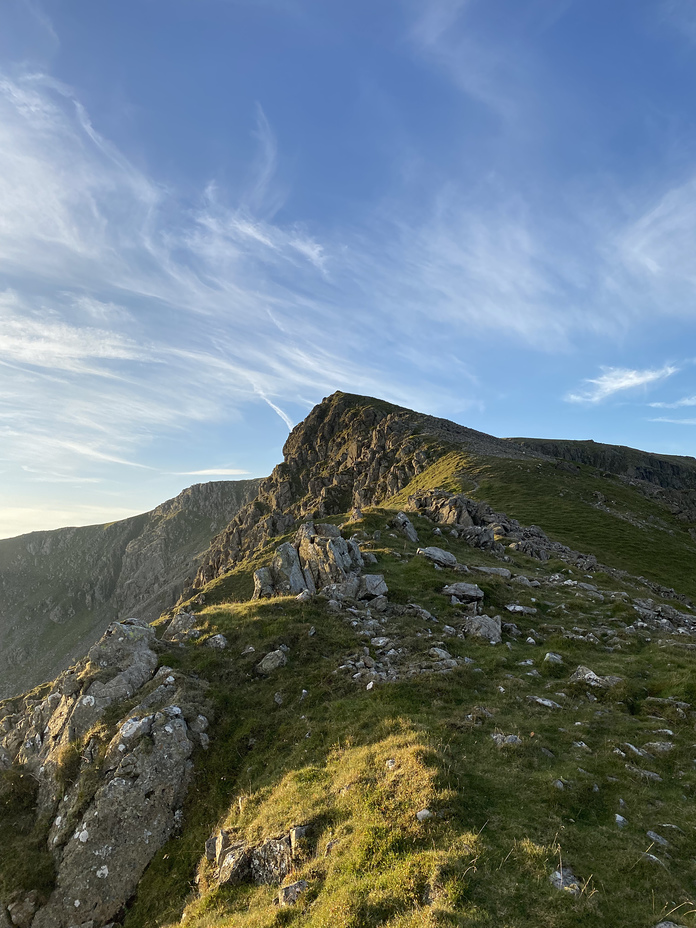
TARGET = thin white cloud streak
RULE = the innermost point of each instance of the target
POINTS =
(674, 421)
(685, 401)
(616, 380)
(278, 411)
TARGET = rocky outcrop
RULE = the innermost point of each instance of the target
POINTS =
(319, 559)
(113, 794)
(266, 863)
(482, 527)
(351, 451)
(59, 590)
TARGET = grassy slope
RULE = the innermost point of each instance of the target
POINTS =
(501, 825)
(565, 506)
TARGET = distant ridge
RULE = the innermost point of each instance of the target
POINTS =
(60, 589)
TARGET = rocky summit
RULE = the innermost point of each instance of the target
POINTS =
(422, 676)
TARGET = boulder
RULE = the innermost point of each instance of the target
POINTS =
(325, 555)
(132, 814)
(505, 740)
(588, 677)
(404, 524)
(290, 894)
(465, 592)
(439, 654)
(543, 701)
(23, 908)
(235, 866)
(438, 556)
(272, 661)
(372, 585)
(552, 658)
(493, 571)
(263, 583)
(271, 861)
(565, 880)
(218, 642)
(484, 626)
(287, 571)
(180, 627)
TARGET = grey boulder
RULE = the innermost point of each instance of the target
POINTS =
(438, 556)
(272, 661)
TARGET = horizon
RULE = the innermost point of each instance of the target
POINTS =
(215, 213)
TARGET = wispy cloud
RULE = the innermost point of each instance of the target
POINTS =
(674, 421)
(684, 401)
(616, 380)
(129, 314)
(479, 67)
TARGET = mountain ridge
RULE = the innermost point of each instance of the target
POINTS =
(425, 678)
(60, 588)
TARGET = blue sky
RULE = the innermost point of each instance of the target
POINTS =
(213, 213)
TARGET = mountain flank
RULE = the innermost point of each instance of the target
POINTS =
(425, 678)
(60, 589)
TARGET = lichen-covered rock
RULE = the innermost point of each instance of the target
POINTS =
(130, 817)
(372, 585)
(271, 861)
(234, 865)
(22, 909)
(590, 678)
(181, 627)
(565, 880)
(103, 837)
(319, 558)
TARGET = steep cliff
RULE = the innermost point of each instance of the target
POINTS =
(60, 589)
(350, 451)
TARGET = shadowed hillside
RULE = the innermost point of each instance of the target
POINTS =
(60, 589)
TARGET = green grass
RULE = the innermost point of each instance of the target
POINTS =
(561, 504)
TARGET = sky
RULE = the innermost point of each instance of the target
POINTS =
(214, 213)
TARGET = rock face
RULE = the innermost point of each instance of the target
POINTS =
(102, 837)
(81, 579)
(350, 451)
